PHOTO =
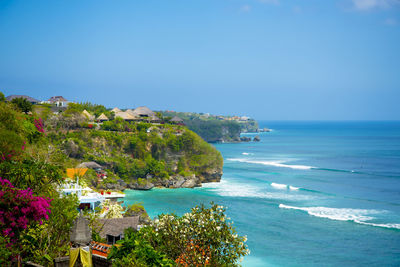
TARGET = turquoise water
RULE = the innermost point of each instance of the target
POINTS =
(308, 194)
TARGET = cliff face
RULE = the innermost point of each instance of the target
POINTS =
(152, 155)
(215, 131)
(213, 128)
(249, 126)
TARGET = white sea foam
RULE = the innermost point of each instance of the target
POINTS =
(246, 153)
(231, 189)
(273, 163)
(279, 186)
(361, 216)
(293, 188)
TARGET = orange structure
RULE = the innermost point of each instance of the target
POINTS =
(76, 172)
(100, 249)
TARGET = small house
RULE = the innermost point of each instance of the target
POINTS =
(88, 115)
(116, 110)
(102, 117)
(144, 112)
(59, 101)
(113, 229)
(125, 116)
(90, 165)
(176, 120)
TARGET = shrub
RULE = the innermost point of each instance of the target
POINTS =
(203, 237)
(18, 210)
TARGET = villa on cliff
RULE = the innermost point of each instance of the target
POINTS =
(177, 120)
(58, 101)
(139, 114)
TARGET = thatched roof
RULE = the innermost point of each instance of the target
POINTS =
(87, 114)
(28, 98)
(102, 117)
(176, 119)
(144, 112)
(155, 118)
(125, 116)
(116, 227)
(131, 112)
(90, 165)
(116, 110)
(56, 99)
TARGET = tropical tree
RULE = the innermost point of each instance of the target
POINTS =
(22, 104)
(2, 97)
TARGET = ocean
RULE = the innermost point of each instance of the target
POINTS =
(307, 194)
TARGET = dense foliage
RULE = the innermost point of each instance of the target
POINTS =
(22, 104)
(203, 237)
(18, 209)
(32, 226)
(35, 220)
(214, 128)
(140, 152)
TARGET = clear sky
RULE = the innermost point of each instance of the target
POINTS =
(268, 59)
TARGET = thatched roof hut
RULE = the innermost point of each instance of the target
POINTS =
(176, 120)
(113, 229)
(88, 115)
(102, 117)
(125, 116)
(131, 112)
(154, 119)
(90, 165)
(116, 110)
(144, 112)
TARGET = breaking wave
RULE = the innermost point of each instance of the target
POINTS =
(273, 163)
(284, 187)
(279, 186)
(230, 189)
(361, 216)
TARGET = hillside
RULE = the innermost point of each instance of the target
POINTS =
(214, 128)
(135, 155)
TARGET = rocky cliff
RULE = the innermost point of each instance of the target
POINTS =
(149, 155)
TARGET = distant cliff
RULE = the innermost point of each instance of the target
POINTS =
(249, 126)
(216, 128)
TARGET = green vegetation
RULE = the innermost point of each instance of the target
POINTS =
(214, 128)
(135, 152)
(22, 104)
(203, 237)
(34, 154)
(32, 166)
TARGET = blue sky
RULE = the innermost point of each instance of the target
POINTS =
(269, 59)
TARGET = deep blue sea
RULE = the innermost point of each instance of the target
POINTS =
(307, 194)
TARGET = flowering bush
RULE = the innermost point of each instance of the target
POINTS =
(111, 210)
(203, 237)
(18, 209)
(39, 125)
